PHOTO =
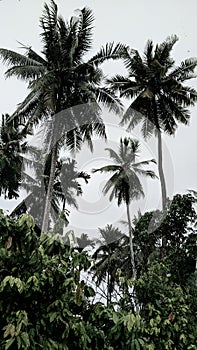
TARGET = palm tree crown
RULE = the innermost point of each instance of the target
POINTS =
(157, 88)
(124, 184)
(159, 97)
(60, 79)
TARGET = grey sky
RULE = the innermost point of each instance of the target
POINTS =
(133, 23)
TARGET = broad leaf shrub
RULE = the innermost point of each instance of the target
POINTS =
(43, 302)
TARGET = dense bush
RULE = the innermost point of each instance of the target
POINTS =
(46, 304)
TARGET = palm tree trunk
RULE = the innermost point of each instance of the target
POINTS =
(163, 187)
(108, 286)
(64, 204)
(161, 173)
(132, 256)
(131, 242)
(47, 209)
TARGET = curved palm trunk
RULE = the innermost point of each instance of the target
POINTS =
(161, 173)
(47, 209)
(131, 242)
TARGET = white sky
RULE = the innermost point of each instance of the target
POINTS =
(132, 23)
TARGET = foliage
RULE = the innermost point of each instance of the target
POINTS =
(149, 277)
(46, 303)
(65, 189)
(159, 97)
(108, 259)
(64, 88)
(178, 226)
(124, 184)
(167, 309)
(156, 86)
(11, 162)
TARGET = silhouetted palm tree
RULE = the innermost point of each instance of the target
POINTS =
(108, 258)
(60, 79)
(35, 185)
(124, 184)
(159, 97)
(84, 241)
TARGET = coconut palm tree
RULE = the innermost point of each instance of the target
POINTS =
(59, 79)
(84, 241)
(124, 184)
(66, 185)
(108, 258)
(160, 99)
(64, 192)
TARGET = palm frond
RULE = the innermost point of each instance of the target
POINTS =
(12, 58)
(148, 128)
(130, 89)
(110, 51)
(132, 118)
(49, 35)
(35, 56)
(136, 66)
(146, 173)
(148, 52)
(107, 168)
(25, 72)
(118, 82)
(185, 70)
(113, 155)
(28, 104)
(185, 96)
(162, 51)
(145, 162)
(109, 100)
(85, 27)
(74, 140)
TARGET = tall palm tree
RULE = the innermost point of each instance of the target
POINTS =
(124, 184)
(60, 79)
(159, 97)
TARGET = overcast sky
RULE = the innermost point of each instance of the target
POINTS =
(132, 23)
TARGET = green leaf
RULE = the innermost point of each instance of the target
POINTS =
(129, 321)
(26, 220)
(142, 343)
(137, 345)
(9, 342)
(25, 337)
(9, 330)
(53, 316)
(19, 284)
(115, 317)
(19, 342)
